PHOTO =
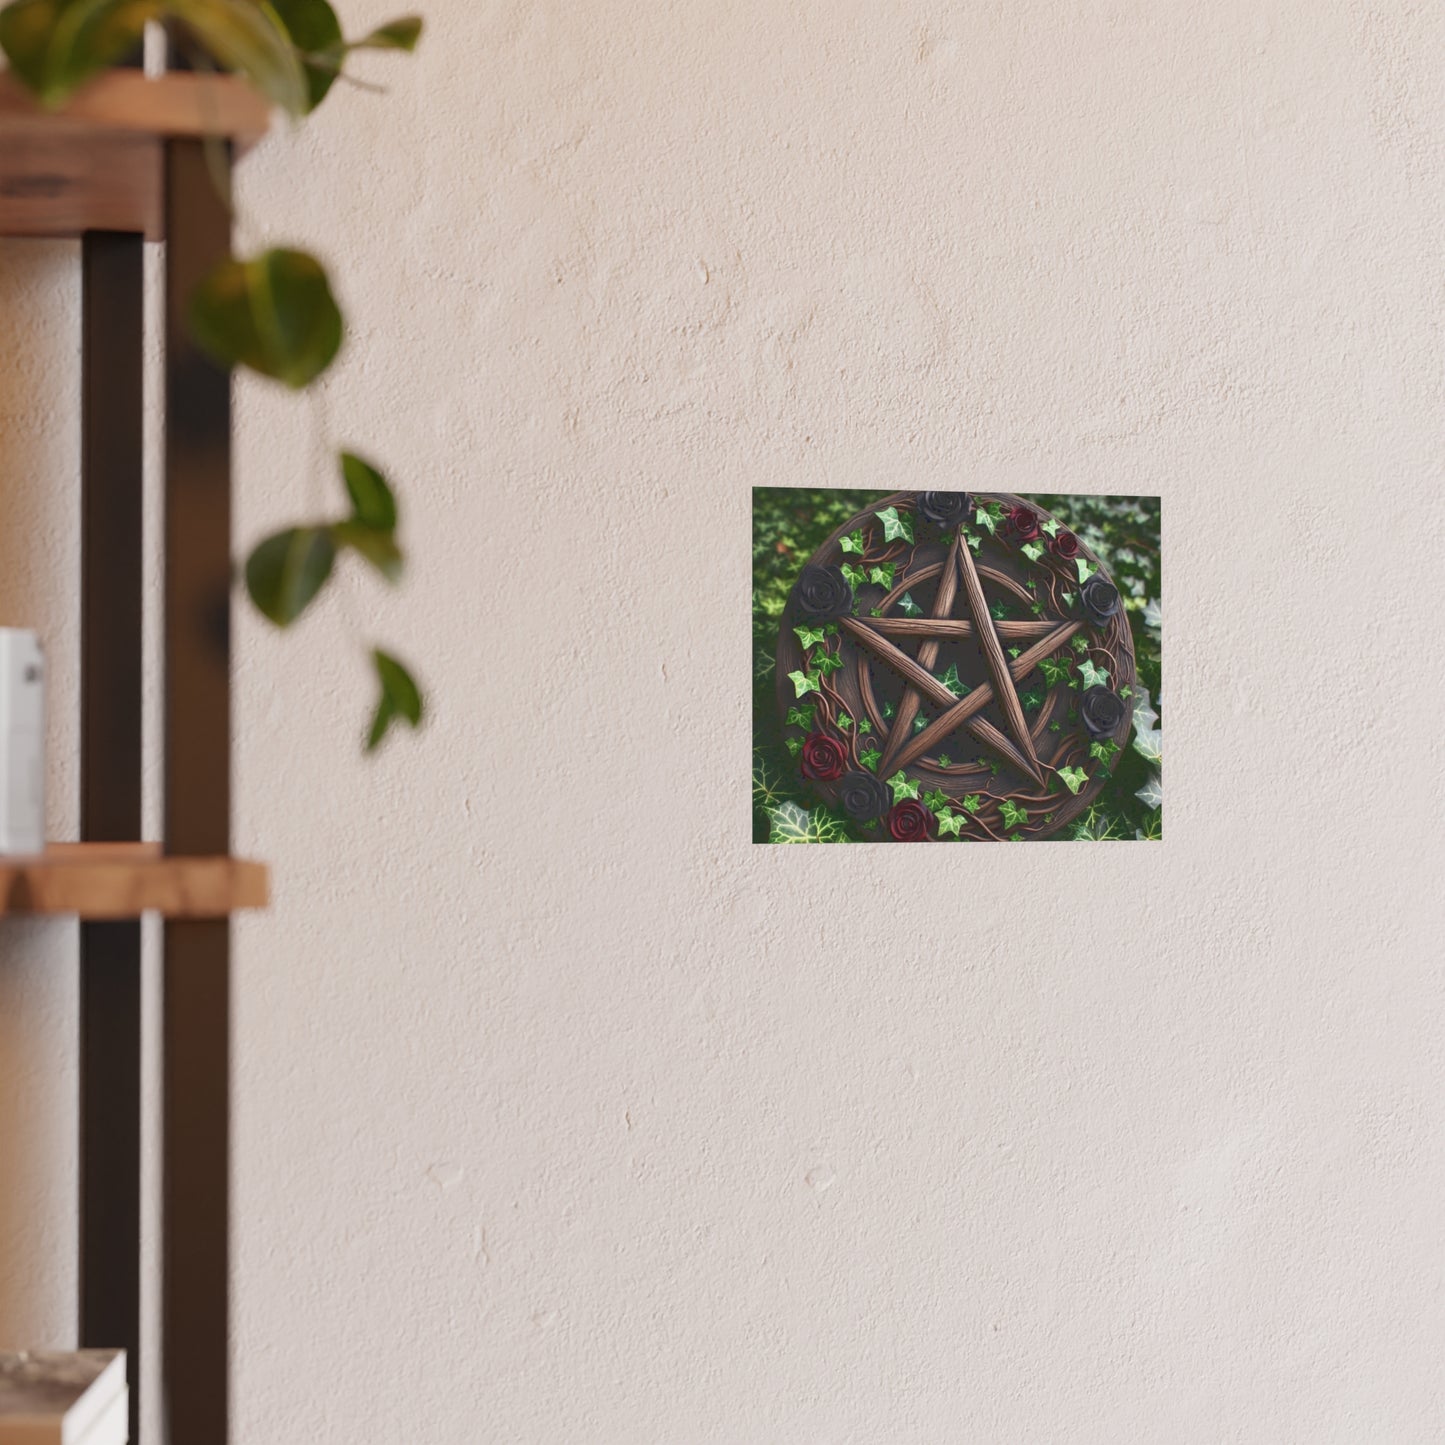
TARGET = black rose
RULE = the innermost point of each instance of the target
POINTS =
(823, 593)
(1100, 599)
(948, 509)
(1101, 711)
(864, 797)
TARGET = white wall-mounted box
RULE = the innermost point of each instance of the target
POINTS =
(22, 727)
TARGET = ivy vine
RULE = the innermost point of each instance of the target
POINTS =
(274, 313)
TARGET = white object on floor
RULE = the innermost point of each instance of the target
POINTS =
(50, 1397)
(22, 727)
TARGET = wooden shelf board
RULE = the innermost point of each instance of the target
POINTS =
(124, 880)
(96, 164)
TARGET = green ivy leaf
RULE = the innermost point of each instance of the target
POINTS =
(871, 759)
(1152, 793)
(1032, 550)
(274, 314)
(908, 606)
(1056, 726)
(286, 571)
(952, 681)
(1014, 652)
(1126, 692)
(1092, 676)
(766, 782)
(400, 699)
(1013, 816)
(250, 40)
(853, 542)
(1068, 599)
(944, 761)
(1037, 608)
(789, 823)
(827, 662)
(856, 575)
(804, 683)
(882, 574)
(895, 527)
(1050, 528)
(1073, 778)
(1148, 744)
(864, 726)
(935, 798)
(801, 717)
(793, 745)
(1055, 670)
(844, 721)
(1032, 701)
(999, 610)
(1104, 751)
(903, 786)
(889, 709)
(950, 823)
(984, 518)
(1079, 642)
(1085, 571)
(919, 723)
(974, 542)
(972, 803)
(807, 636)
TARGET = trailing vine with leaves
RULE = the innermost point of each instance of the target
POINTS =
(273, 313)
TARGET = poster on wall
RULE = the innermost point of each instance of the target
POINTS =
(955, 667)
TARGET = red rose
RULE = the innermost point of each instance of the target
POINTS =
(1066, 545)
(1025, 523)
(823, 758)
(908, 822)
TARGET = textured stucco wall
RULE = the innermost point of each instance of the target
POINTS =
(567, 1114)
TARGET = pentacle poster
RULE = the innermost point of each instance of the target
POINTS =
(955, 667)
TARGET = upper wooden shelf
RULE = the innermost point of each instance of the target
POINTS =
(97, 164)
(124, 880)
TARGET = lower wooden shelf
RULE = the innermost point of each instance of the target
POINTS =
(124, 880)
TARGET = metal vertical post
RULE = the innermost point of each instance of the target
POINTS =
(196, 1148)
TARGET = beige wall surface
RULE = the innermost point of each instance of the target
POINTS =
(565, 1113)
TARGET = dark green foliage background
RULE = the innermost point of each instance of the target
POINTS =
(788, 527)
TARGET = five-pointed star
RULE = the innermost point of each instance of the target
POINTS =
(903, 746)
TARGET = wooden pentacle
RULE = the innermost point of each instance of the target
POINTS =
(961, 666)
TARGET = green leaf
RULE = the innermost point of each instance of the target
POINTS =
(274, 314)
(807, 636)
(889, 709)
(400, 699)
(1014, 652)
(871, 759)
(1013, 816)
(801, 717)
(853, 542)
(1068, 599)
(1092, 676)
(1144, 714)
(1032, 701)
(804, 683)
(249, 39)
(793, 745)
(972, 803)
(1055, 670)
(1085, 571)
(944, 760)
(1015, 837)
(844, 721)
(985, 519)
(827, 662)
(1056, 726)
(1032, 550)
(856, 575)
(1126, 692)
(1148, 744)
(950, 822)
(1050, 528)
(378, 548)
(55, 46)
(908, 606)
(372, 501)
(316, 33)
(1079, 643)
(935, 798)
(952, 681)
(894, 525)
(999, 609)
(882, 574)
(286, 571)
(903, 786)
(789, 823)
(1152, 793)
(1037, 608)
(399, 34)
(864, 726)
(1104, 751)
(1153, 615)
(975, 542)
(1073, 778)
(919, 723)
(766, 782)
